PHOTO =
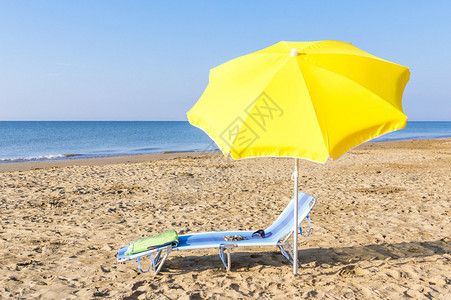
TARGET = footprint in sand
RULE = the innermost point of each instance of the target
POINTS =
(351, 271)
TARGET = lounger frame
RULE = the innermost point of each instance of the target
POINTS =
(278, 234)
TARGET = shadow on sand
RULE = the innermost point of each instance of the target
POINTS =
(243, 261)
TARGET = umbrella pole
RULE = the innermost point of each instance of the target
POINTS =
(295, 229)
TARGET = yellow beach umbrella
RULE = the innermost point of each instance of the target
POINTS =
(310, 100)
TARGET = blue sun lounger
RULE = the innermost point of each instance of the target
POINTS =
(278, 234)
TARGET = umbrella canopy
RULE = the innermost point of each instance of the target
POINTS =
(308, 100)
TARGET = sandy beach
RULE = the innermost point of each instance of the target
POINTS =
(381, 227)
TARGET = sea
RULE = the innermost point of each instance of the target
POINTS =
(23, 141)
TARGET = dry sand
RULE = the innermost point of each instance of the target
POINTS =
(381, 228)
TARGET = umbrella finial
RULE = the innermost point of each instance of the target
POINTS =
(294, 52)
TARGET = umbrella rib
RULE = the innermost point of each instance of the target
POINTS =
(264, 86)
(379, 98)
(361, 53)
(323, 132)
(369, 56)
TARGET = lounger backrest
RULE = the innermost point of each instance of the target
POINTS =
(284, 223)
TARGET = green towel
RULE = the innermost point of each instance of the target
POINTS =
(169, 237)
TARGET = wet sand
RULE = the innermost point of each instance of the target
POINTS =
(381, 227)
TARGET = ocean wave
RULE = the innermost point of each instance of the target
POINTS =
(147, 149)
(395, 138)
(38, 158)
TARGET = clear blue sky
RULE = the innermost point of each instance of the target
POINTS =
(149, 60)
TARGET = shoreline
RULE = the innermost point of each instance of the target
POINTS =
(99, 161)
(137, 158)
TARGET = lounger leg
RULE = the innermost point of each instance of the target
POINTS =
(287, 249)
(157, 264)
(228, 263)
